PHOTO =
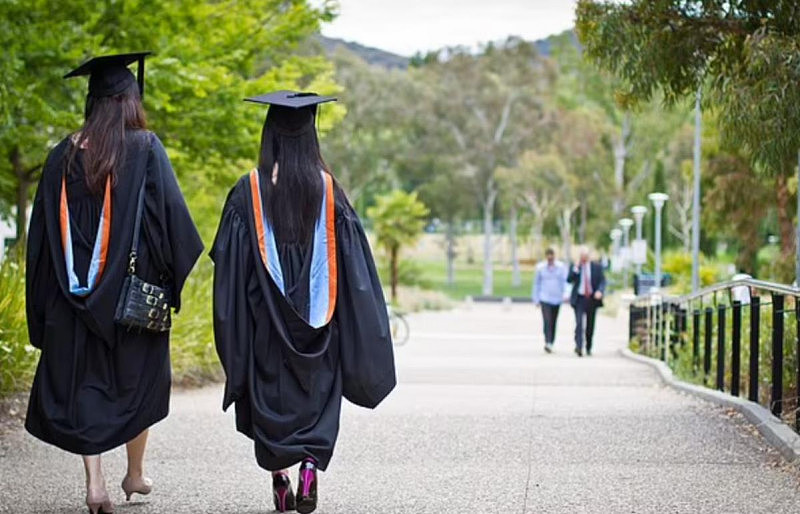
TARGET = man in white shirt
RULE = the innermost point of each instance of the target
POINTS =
(548, 294)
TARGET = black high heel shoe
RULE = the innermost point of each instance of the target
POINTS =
(307, 487)
(282, 492)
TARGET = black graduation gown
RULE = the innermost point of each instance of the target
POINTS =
(98, 385)
(286, 378)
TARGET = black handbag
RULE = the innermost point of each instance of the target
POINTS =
(142, 305)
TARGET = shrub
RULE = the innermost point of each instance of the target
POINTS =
(17, 358)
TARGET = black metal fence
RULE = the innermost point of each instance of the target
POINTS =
(700, 336)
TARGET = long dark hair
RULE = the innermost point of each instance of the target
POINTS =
(293, 203)
(102, 136)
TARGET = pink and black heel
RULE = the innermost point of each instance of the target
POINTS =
(307, 488)
(282, 492)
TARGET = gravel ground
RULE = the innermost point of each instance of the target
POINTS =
(483, 421)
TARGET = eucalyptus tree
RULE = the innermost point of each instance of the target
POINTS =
(744, 52)
(491, 106)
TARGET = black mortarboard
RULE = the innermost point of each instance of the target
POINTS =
(109, 74)
(293, 99)
(291, 112)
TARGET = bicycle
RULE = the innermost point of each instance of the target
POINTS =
(398, 326)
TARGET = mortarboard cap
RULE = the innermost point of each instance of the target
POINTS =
(109, 74)
(292, 99)
(291, 113)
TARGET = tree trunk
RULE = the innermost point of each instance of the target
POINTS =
(395, 274)
(450, 238)
(620, 155)
(516, 279)
(565, 226)
(537, 231)
(582, 227)
(23, 188)
(488, 220)
(784, 207)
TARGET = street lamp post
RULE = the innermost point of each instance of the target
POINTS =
(626, 224)
(638, 214)
(658, 199)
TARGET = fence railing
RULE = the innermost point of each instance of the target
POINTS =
(740, 337)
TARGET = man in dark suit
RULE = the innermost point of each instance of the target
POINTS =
(588, 286)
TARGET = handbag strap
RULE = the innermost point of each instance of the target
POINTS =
(137, 228)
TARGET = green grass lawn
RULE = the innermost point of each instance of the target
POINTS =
(469, 279)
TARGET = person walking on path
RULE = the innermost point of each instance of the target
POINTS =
(588, 287)
(548, 294)
(99, 384)
(300, 319)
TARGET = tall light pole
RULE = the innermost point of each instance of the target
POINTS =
(658, 199)
(626, 224)
(639, 246)
(696, 195)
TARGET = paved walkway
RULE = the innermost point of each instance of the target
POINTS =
(482, 422)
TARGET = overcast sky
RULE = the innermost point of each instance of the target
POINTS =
(407, 26)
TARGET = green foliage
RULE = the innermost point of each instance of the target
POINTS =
(746, 52)
(398, 219)
(194, 357)
(207, 57)
(679, 265)
(17, 358)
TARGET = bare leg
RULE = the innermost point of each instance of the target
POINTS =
(135, 448)
(93, 467)
(280, 472)
(96, 494)
(135, 481)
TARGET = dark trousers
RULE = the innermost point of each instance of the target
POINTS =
(585, 309)
(549, 315)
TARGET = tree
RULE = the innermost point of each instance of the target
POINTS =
(744, 53)
(367, 147)
(540, 182)
(488, 107)
(398, 218)
(207, 57)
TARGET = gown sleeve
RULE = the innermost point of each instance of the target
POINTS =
(367, 357)
(37, 271)
(234, 325)
(177, 242)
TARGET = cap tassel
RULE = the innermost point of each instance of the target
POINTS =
(140, 77)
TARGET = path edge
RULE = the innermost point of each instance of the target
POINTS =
(776, 432)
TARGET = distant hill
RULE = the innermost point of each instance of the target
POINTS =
(378, 57)
(370, 55)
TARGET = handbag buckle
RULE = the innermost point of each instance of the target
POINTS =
(153, 314)
(147, 288)
(152, 301)
(132, 263)
(152, 325)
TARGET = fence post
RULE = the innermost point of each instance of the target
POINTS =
(707, 349)
(776, 401)
(755, 333)
(736, 348)
(797, 378)
(695, 340)
(721, 347)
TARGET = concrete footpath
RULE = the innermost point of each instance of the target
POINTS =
(483, 421)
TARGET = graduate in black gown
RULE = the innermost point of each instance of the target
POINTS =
(299, 314)
(99, 385)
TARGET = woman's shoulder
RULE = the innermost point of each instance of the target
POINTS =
(238, 197)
